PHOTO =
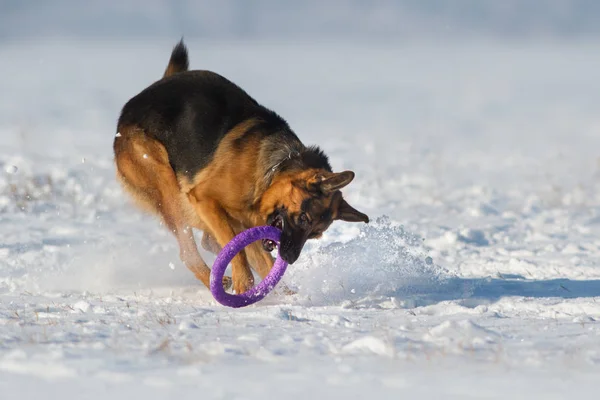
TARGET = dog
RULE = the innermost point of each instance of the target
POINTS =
(199, 152)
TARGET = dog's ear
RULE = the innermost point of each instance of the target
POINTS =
(348, 213)
(336, 181)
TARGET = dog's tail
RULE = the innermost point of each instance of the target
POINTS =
(179, 61)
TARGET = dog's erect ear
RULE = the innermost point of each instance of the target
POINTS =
(348, 213)
(336, 181)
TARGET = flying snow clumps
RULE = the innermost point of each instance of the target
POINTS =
(383, 260)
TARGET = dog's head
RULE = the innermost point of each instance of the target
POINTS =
(303, 205)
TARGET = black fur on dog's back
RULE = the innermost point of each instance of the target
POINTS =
(190, 112)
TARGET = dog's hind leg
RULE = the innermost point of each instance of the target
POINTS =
(144, 170)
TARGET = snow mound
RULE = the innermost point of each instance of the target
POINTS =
(463, 334)
(383, 261)
(369, 345)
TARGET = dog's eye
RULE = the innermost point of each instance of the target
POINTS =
(302, 219)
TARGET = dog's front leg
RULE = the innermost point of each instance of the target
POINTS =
(261, 261)
(210, 244)
(216, 220)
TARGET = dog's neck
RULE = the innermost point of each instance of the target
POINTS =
(285, 156)
(278, 162)
(282, 156)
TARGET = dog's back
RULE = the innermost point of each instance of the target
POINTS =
(190, 112)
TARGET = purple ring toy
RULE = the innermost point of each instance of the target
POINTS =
(236, 245)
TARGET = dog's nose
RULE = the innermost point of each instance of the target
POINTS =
(289, 255)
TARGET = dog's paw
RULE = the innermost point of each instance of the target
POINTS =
(227, 283)
(243, 285)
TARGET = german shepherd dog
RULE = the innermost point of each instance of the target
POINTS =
(198, 151)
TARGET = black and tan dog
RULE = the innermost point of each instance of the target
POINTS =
(201, 153)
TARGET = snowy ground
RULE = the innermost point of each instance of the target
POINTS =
(479, 276)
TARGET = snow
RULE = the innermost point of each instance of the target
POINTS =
(478, 276)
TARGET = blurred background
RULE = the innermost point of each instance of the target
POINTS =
(379, 20)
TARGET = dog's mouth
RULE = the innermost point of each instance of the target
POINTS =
(268, 244)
